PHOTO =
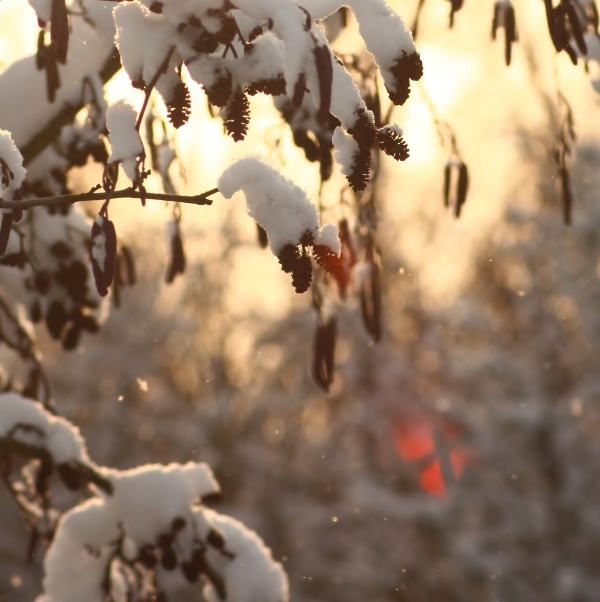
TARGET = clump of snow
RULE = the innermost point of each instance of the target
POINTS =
(11, 160)
(164, 492)
(143, 506)
(143, 39)
(382, 29)
(281, 207)
(329, 235)
(40, 428)
(43, 9)
(346, 148)
(124, 138)
(252, 575)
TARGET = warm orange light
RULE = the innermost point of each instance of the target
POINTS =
(414, 442)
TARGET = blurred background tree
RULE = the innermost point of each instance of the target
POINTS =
(454, 459)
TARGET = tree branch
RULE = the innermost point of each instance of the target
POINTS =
(127, 193)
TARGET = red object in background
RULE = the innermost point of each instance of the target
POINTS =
(415, 442)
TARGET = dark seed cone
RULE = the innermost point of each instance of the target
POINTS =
(461, 188)
(272, 87)
(179, 106)
(447, 178)
(147, 556)
(370, 303)
(5, 228)
(326, 161)
(177, 262)
(392, 143)
(220, 92)
(238, 116)
(327, 259)
(59, 29)
(298, 265)
(103, 274)
(495, 19)
(168, 558)
(361, 171)
(324, 354)
(56, 319)
(52, 74)
(71, 337)
(576, 29)
(567, 195)
(363, 131)
(510, 30)
(308, 144)
(40, 57)
(406, 67)
(325, 72)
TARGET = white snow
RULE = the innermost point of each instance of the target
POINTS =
(13, 159)
(281, 207)
(143, 38)
(25, 111)
(58, 436)
(43, 9)
(99, 245)
(329, 235)
(143, 505)
(165, 492)
(124, 138)
(345, 150)
(253, 575)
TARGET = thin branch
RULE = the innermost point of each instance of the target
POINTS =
(161, 70)
(127, 193)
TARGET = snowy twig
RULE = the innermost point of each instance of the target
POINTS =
(127, 193)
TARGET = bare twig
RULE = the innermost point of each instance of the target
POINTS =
(127, 193)
(160, 71)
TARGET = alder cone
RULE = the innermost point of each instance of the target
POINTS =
(406, 67)
(298, 265)
(238, 116)
(392, 143)
(179, 106)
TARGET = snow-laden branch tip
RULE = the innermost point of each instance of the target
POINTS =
(281, 207)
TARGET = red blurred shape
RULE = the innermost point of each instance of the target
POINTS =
(415, 442)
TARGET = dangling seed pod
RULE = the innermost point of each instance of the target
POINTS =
(177, 257)
(324, 353)
(179, 105)
(370, 295)
(238, 116)
(462, 184)
(5, 229)
(59, 29)
(567, 194)
(325, 72)
(391, 142)
(461, 188)
(103, 251)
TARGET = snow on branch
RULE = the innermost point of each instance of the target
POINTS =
(283, 210)
(138, 525)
